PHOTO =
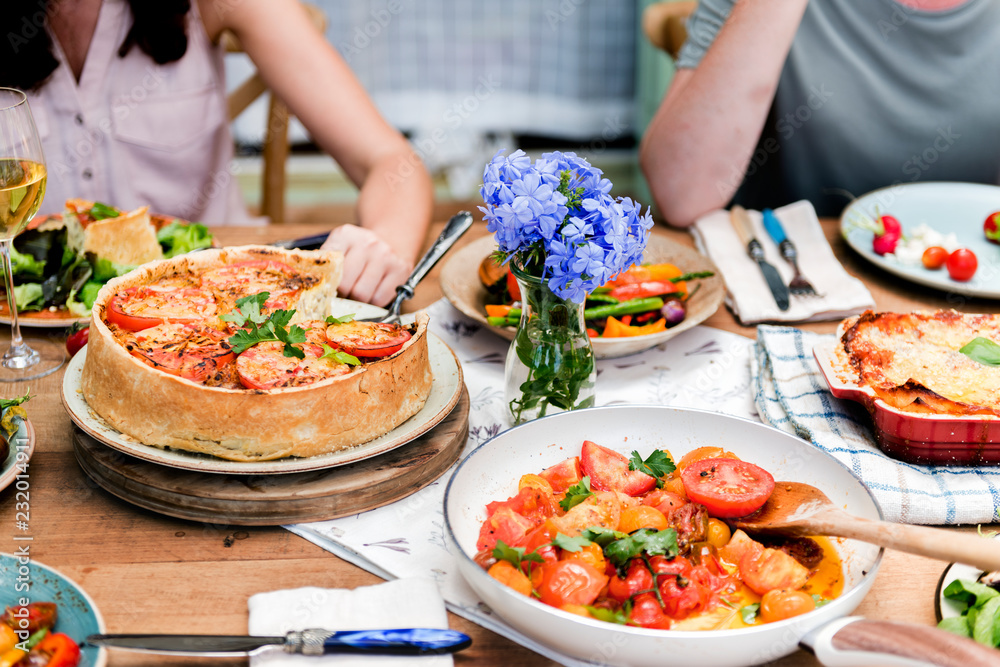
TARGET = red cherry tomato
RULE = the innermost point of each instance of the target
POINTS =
(934, 257)
(608, 471)
(726, 487)
(77, 340)
(638, 579)
(992, 227)
(513, 287)
(646, 613)
(962, 265)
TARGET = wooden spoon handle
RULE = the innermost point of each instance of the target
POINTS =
(921, 540)
(854, 642)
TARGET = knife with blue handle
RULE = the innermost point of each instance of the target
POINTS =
(744, 229)
(315, 641)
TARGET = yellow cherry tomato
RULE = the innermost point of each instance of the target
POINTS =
(718, 533)
(535, 482)
(508, 575)
(642, 516)
(700, 453)
(591, 555)
(782, 603)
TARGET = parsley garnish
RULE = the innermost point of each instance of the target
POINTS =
(333, 319)
(620, 548)
(259, 328)
(576, 494)
(749, 613)
(515, 555)
(657, 465)
(339, 356)
(573, 544)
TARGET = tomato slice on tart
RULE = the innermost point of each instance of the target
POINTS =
(368, 339)
(728, 488)
(138, 308)
(265, 366)
(191, 351)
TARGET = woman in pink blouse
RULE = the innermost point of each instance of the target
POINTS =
(129, 98)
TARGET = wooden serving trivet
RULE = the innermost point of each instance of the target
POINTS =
(269, 500)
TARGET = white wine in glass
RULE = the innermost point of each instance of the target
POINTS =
(22, 188)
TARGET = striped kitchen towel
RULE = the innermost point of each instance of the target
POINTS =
(791, 394)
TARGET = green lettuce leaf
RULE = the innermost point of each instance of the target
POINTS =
(105, 270)
(81, 301)
(28, 296)
(26, 266)
(178, 239)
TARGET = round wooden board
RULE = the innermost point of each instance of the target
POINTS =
(270, 500)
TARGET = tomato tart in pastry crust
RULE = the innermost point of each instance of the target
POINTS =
(239, 424)
(912, 361)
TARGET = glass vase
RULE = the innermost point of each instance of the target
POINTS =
(550, 364)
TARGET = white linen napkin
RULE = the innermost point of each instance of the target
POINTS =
(403, 603)
(792, 395)
(747, 293)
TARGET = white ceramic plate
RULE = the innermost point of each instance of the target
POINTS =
(446, 389)
(492, 471)
(23, 441)
(460, 284)
(947, 207)
(78, 615)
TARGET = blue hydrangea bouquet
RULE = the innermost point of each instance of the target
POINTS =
(563, 235)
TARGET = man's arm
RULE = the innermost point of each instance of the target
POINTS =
(396, 195)
(700, 142)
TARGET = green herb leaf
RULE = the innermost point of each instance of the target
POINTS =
(608, 615)
(576, 494)
(749, 613)
(339, 356)
(819, 600)
(983, 350)
(657, 465)
(620, 548)
(971, 593)
(260, 328)
(568, 543)
(102, 211)
(332, 319)
(248, 309)
(986, 627)
(515, 555)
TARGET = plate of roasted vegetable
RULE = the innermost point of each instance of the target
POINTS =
(612, 528)
(47, 617)
(674, 289)
(61, 261)
(17, 439)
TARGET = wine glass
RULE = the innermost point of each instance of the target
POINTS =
(22, 187)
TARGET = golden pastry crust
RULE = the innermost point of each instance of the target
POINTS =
(336, 413)
(911, 360)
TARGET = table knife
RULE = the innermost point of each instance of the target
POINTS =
(315, 641)
(305, 243)
(744, 229)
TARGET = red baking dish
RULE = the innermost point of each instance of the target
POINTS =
(926, 439)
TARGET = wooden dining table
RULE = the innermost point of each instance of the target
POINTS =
(150, 573)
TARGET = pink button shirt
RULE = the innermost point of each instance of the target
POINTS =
(132, 132)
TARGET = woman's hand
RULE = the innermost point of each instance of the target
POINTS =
(372, 271)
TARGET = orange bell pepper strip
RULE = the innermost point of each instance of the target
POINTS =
(641, 273)
(616, 329)
(501, 310)
(62, 651)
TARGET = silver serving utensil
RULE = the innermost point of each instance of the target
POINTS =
(456, 227)
(315, 641)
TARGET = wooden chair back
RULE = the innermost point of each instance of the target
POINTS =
(665, 25)
(273, 179)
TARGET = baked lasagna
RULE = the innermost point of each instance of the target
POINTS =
(912, 360)
(231, 353)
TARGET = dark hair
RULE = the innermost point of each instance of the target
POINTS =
(26, 60)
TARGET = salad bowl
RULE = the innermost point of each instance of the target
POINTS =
(491, 472)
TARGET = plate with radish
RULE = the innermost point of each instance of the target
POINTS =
(944, 235)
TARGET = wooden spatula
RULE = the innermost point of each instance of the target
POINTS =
(800, 509)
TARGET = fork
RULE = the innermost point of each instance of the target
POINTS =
(798, 285)
(456, 227)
